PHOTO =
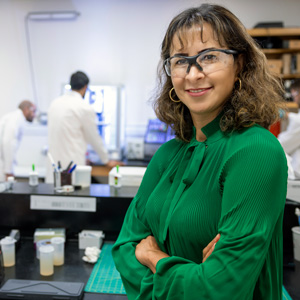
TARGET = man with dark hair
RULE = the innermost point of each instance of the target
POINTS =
(78, 80)
(290, 138)
(11, 132)
(72, 125)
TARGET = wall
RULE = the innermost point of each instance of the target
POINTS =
(113, 41)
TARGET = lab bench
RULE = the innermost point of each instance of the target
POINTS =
(99, 207)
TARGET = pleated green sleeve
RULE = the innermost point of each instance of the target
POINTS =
(253, 186)
(234, 185)
(138, 279)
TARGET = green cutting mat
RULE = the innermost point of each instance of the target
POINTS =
(105, 278)
(285, 295)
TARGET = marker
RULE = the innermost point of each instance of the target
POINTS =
(69, 166)
(72, 169)
(33, 167)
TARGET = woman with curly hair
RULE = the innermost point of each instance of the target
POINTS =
(206, 222)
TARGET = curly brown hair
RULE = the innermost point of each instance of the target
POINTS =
(261, 95)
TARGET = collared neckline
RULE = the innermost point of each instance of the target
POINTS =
(211, 130)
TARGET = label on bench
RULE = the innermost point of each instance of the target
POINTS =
(66, 203)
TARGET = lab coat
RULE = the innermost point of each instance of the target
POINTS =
(290, 141)
(71, 126)
(11, 131)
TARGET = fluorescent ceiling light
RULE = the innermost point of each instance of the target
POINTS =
(55, 15)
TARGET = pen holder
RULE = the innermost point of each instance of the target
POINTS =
(65, 178)
(57, 181)
(62, 178)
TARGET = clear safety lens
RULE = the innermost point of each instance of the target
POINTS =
(208, 61)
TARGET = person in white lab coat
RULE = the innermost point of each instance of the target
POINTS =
(290, 138)
(11, 132)
(71, 126)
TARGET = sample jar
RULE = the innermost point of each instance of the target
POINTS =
(296, 242)
(46, 260)
(59, 250)
(8, 251)
(33, 178)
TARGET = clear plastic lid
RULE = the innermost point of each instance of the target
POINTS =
(46, 249)
(8, 240)
(57, 240)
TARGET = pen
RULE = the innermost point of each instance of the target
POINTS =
(72, 169)
(69, 166)
(59, 165)
(52, 161)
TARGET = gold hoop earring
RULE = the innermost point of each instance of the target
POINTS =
(170, 95)
(240, 82)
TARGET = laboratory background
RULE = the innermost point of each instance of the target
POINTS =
(117, 44)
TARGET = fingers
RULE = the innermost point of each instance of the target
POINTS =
(208, 253)
(210, 247)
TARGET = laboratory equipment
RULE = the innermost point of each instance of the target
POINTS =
(33, 177)
(8, 251)
(157, 134)
(90, 238)
(296, 242)
(82, 176)
(131, 176)
(59, 250)
(46, 260)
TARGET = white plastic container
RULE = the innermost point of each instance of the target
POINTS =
(59, 250)
(82, 176)
(91, 238)
(296, 242)
(33, 178)
(8, 251)
(131, 176)
(46, 260)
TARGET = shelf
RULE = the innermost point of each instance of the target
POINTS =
(280, 51)
(289, 76)
(282, 32)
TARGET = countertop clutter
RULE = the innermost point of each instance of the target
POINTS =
(99, 207)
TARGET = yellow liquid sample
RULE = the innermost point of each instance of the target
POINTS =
(58, 260)
(46, 267)
(8, 259)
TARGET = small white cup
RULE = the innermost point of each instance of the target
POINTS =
(59, 250)
(33, 178)
(8, 251)
(46, 260)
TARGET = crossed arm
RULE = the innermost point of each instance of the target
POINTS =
(148, 252)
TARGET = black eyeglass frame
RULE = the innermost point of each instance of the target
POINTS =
(192, 60)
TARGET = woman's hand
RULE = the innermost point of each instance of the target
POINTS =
(207, 251)
(148, 253)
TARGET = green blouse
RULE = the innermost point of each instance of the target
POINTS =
(233, 184)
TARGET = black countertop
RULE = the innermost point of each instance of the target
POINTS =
(95, 190)
(112, 204)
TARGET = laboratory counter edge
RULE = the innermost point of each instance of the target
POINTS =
(97, 207)
(19, 211)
